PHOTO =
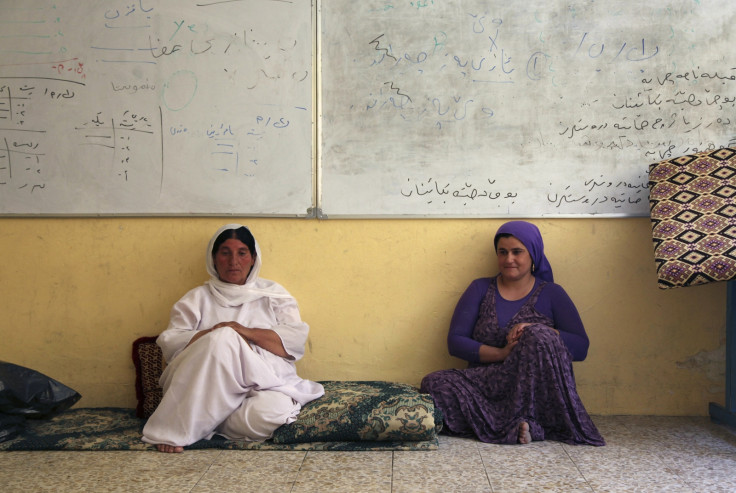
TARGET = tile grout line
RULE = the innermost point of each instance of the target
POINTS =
(577, 468)
(296, 478)
(212, 463)
(393, 456)
(485, 469)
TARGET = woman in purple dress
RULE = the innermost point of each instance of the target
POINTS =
(520, 333)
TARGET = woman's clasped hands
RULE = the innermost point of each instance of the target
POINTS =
(515, 333)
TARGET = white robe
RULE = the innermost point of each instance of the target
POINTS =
(223, 384)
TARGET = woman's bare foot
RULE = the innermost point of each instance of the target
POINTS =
(170, 449)
(525, 436)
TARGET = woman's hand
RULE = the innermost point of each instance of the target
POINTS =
(492, 354)
(240, 329)
(506, 350)
(198, 335)
(265, 338)
(515, 333)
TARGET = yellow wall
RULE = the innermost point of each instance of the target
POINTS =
(378, 295)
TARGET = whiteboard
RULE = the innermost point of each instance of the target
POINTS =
(156, 107)
(528, 109)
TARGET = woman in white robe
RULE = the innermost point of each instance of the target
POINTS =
(230, 349)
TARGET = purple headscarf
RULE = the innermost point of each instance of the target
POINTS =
(529, 235)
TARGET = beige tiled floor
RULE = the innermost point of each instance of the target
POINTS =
(643, 454)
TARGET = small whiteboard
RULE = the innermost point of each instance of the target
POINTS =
(156, 107)
(527, 109)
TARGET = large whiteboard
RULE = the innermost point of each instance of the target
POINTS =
(156, 107)
(534, 108)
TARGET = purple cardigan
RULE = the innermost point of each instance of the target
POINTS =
(553, 301)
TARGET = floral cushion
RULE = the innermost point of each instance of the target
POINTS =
(693, 213)
(373, 411)
(117, 428)
(367, 410)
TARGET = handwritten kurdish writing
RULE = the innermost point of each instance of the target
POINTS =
(683, 105)
(440, 111)
(593, 193)
(132, 88)
(431, 190)
(422, 4)
(20, 163)
(185, 37)
(192, 39)
(128, 15)
(255, 146)
(493, 58)
(235, 151)
(597, 49)
(224, 145)
(23, 134)
(126, 135)
(665, 114)
(218, 44)
(13, 103)
(69, 68)
(489, 59)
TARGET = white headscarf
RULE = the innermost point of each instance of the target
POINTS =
(228, 294)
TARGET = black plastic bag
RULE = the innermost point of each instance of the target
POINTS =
(31, 394)
(10, 426)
